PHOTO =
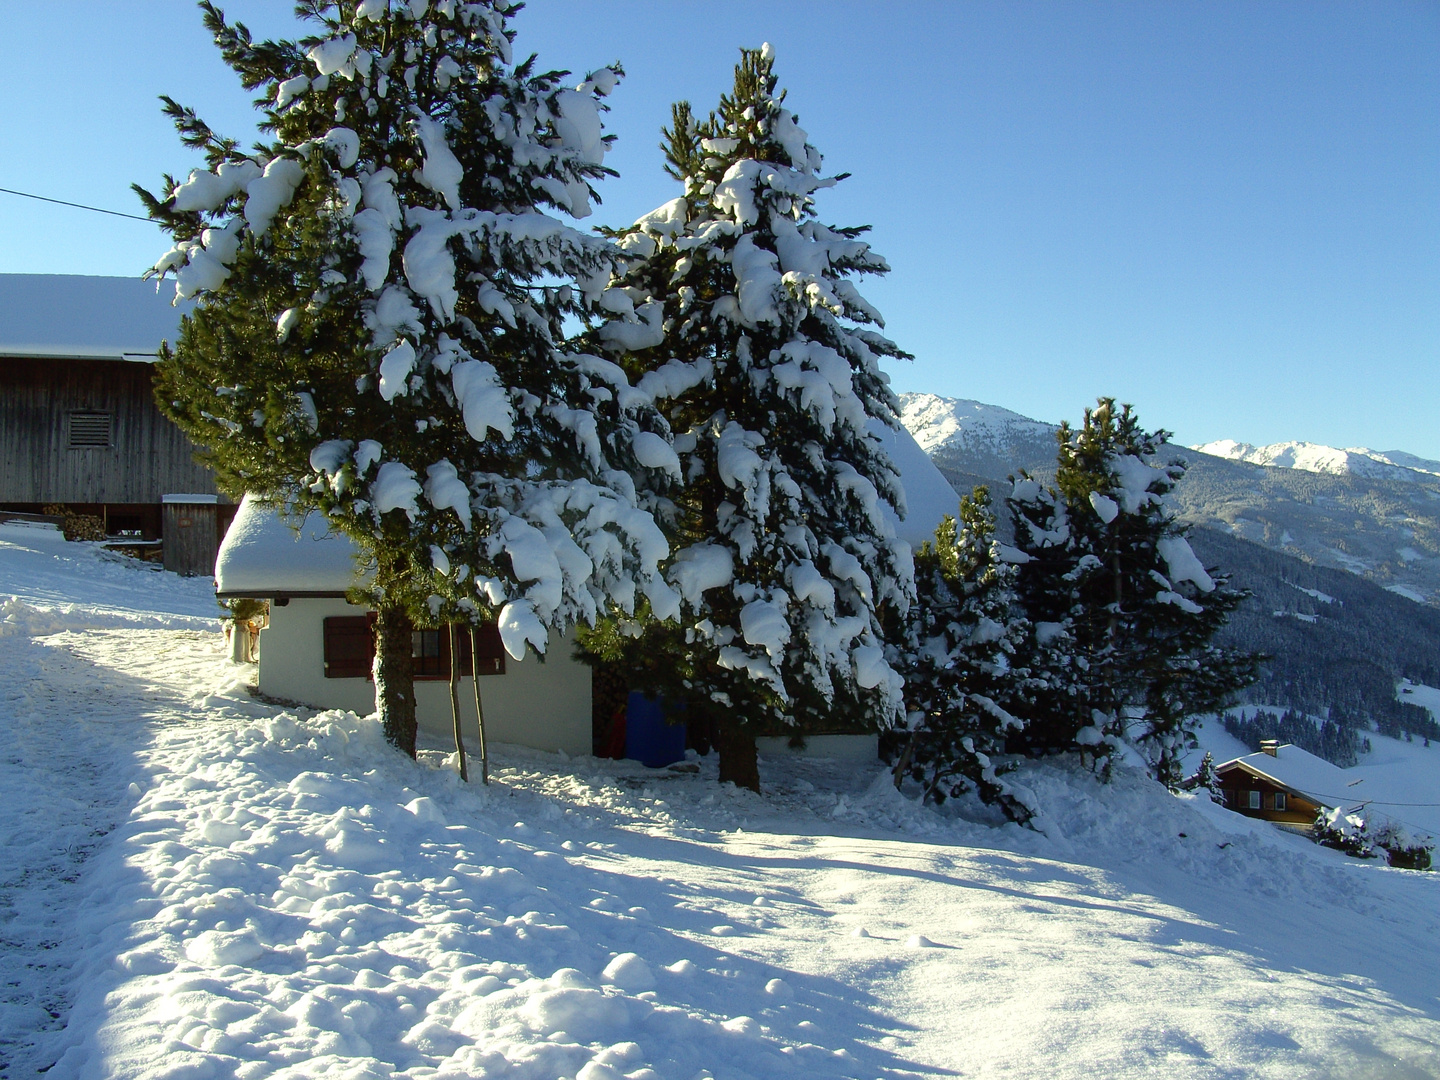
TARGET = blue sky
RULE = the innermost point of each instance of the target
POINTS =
(1225, 213)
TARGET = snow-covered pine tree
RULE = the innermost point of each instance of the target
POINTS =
(1207, 779)
(748, 321)
(1110, 570)
(961, 663)
(1044, 591)
(378, 332)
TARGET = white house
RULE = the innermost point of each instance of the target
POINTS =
(317, 648)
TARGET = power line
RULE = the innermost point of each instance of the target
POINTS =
(1371, 802)
(78, 206)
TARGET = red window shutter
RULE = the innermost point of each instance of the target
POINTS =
(349, 647)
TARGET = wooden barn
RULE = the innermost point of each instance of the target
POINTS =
(1284, 784)
(79, 427)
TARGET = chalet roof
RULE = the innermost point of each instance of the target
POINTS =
(264, 555)
(75, 316)
(1300, 771)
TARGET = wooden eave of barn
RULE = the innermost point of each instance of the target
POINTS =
(1300, 808)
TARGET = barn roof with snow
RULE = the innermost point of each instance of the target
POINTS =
(76, 316)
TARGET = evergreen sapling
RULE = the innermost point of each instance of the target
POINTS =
(963, 664)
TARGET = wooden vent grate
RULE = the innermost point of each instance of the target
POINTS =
(90, 429)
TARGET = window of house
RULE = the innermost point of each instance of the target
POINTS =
(349, 646)
(350, 649)
(1254, 800)
(425, 654)
(1279, 800)
(90, 429)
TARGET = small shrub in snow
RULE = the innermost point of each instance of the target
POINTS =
(1206, 779)
(1362, 838)
(1403, 848)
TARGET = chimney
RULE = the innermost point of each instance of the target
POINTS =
(1270, 746)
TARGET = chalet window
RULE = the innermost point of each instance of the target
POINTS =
(90, 429)
(491, 650)
(349, 646)
(1279, 800)
(1254, 800)
(350, 649)
(431, 650)
(425, 654)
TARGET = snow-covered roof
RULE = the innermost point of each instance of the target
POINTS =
(263, 555)
(1300, 771)
(80, 317)
(928, 495)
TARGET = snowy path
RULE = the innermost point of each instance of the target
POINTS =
(75, 730)
(286, 897)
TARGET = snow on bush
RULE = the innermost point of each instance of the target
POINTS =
(1365, 837)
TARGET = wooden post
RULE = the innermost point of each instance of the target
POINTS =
(479, 711)
(455, 696)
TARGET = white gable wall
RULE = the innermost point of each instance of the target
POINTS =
(541, 705)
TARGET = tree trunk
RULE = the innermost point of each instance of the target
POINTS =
(479, 710)
(455, 696)
(902, 767)
(395, 677)
(736, 747)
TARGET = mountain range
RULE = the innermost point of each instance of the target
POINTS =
(1371, 513)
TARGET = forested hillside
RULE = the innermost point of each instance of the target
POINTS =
(1338, 644)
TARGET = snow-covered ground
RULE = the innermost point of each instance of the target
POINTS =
(200, 885)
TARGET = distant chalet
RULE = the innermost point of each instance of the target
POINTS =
(79, 427)
(1284, 784)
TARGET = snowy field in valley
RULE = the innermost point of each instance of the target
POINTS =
(198, 885)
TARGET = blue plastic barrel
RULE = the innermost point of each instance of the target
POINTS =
(648, 738)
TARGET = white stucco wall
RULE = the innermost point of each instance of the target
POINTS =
(544, 705)
(843, 747)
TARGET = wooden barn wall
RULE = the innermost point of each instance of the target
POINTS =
(148, 456)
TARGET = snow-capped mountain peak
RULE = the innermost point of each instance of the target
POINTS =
(959, 423)
(1317, 458)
